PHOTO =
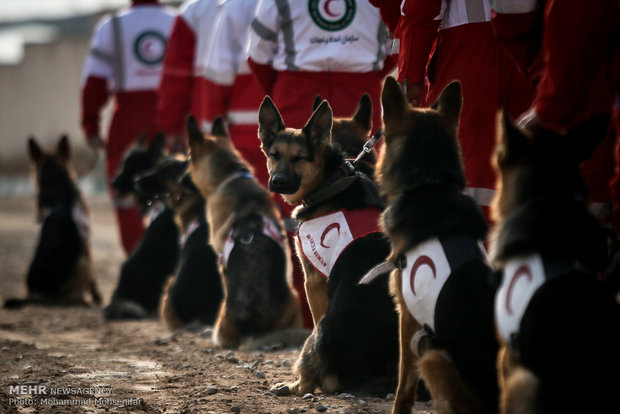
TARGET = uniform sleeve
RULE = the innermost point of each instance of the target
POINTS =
(417, 32)
(576, 47)
(229, 36)
(97, 78)
(390, 12)
(175, 88)
(517, 25)
(263, 43)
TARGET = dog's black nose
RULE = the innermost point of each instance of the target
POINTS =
(277, 183)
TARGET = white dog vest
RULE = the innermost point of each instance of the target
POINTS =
(521, 279)
(270, 229)
(324, 238)
(426, 269)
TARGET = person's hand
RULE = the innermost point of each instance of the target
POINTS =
(528, 119)
(412, 91)
(95, 142)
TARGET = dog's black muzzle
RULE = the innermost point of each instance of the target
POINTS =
(283, 183)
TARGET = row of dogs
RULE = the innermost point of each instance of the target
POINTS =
(398, 281)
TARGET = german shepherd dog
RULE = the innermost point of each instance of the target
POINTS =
(442, 282)
(247, 233)
(61, 271)
(352, 133)
(195, 293)
(144, 273)
(353, 345)
(558, 325)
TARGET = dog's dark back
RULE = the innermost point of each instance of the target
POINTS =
(144, 272)
(541, 208)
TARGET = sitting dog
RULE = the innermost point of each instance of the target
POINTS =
(352, 133)
(442, 283)
(154, 260)
(61, 271)
(246, 231)
(558, 324)
(195, 293)
(353, 346)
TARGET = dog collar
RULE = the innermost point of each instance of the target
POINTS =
(238, 174)
(339, 181)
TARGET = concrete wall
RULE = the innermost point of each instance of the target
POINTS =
(41, 97)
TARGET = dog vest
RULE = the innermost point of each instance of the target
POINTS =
(324, 238)
(82, 221)
(270, 229)
(426, 268)
(191, 228)
(521, 279)
(154, 211)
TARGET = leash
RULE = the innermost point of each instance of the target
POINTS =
(369, 145)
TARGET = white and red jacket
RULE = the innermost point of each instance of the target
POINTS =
(445, 40)
(183, 85)
(231, 90)
(125, 60)
(335, 49)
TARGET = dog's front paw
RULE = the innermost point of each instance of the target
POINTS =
(296, 388)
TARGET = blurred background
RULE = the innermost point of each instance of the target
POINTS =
(43, 44)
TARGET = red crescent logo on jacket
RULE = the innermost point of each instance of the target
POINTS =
(327, 230)
(524, 270)
(328, 10)
(422, 260)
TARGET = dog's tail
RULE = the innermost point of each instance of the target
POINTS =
(294, 337)
(123, 309)
(15, 303)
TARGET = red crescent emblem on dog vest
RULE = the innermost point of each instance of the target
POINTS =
(321, 245)
(421, 261)
(522, 278)
(524, 270)
(327, 230)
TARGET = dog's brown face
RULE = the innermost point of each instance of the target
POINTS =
(53, 175)
(213, 157)
(420, 144)
(294, 157)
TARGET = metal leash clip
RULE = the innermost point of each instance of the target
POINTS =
(369, 145)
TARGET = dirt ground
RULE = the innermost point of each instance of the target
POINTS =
(53, 359)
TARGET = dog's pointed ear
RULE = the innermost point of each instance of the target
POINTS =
(449, 102)
(219, 128)
(316, 103)
(318, 129)
(511, 143)
(363, 115)
(194, 134)
(157, 144)
(269, 122)
(392, 100)
(34, 150)
(63, 150)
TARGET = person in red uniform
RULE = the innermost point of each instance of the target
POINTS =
(337, 50)
(441, 41)
(125, 60)
(182, 90)
(569, 50)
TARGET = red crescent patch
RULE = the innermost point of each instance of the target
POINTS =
(327, 10)
(524, 270)
(420, 261)
(327, 229)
